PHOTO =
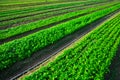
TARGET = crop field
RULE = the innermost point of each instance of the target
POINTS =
(59, 40)
(9, 2)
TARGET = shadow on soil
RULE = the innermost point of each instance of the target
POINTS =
(114, 68)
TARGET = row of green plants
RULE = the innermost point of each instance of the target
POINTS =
(47, 7)
(27, 2)
(43, 16)
(18, 6)
(87, 59)
(42, 11)
(27, 27)
(22, 48)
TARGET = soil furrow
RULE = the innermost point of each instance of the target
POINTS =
(40, 56)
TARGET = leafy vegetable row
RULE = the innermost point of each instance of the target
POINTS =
(43, 11)
(45, 15)
(87, 59)
(27, 27)
(22, 48)
(41, 8)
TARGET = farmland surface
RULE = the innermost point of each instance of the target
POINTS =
(59, 39)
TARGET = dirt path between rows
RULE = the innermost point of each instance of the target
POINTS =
(39, 57)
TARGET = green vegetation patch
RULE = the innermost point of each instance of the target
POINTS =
(88, 59)
(22, 48)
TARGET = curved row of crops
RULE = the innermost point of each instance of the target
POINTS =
(17, 50)
(87, 59)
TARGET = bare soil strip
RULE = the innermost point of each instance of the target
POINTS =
(40, 56)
